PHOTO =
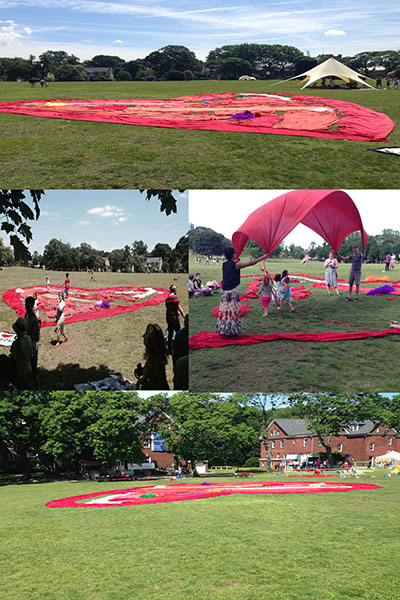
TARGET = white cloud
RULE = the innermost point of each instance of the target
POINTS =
(122, 219)
(334, 32)
(28, 30)
(107, 211)
(118, 42)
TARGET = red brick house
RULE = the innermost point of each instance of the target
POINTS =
(291, 440)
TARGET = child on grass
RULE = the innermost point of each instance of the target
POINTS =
(285, 293)
(266, 293)
(276, 297)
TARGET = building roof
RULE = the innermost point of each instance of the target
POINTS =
(293, 427)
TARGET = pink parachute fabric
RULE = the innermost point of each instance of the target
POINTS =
(282, 114)
(332, 214)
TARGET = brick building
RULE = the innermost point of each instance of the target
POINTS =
(291, 440)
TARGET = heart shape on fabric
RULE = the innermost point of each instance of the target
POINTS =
(84, 304)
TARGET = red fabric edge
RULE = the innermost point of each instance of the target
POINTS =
(208, 339)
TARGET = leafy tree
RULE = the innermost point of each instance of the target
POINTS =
(139, 248)
(133, 67)
(166, 198)
(182, 253)
(52, 61)
(70, 73)
(171, 57)
(6, 255)
(57, 256)
(123, 75)
(116, 259)
(104, 60)
(14, 212)
(304, 63)
(209, 427)
(204, 240)
(127, 260)
(232, 68)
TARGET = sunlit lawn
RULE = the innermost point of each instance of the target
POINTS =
(99, 347)
(287, 366)
(52, 153)
(295, 547)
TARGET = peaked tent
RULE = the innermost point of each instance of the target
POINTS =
(332, 214)
(330, 68)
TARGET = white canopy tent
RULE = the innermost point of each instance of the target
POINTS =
(391, 456)
(330, 68)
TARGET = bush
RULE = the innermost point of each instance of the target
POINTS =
(174, 75)
(124, 76)
(188, 75)
(252, 463)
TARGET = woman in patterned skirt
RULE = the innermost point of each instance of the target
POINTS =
(229, 317)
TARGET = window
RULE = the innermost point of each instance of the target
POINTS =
(278, 455)
(305, 442)
(390, 441)
(371, 447)
(294, 442)
(273, 444)
(339, 447)
(147, 459)
(146, 443)
(355, 427)
(281, 443)
(319, 442)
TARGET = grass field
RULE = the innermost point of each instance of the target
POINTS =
(51, 153)
(288, 366)
(96, 348)
(295, 547)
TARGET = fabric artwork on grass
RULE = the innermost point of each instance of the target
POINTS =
(83, 304)
(6, 339)
(187, 491)
(253, 112)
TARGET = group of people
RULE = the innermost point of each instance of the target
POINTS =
(152, 376)
(276, 289)
(390, 261)
(196, 287)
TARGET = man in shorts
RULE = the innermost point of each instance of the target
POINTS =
(355, 271)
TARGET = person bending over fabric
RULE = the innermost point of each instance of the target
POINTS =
(355, 271)
(152, 376)
(330, 266)
(229, 317)
(174, 309)
(66, 284)
(60, 320)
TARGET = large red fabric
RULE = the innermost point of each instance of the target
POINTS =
(188, 491)
(332, 214)
(209, 339)
(81, 303)
(362, 290)
(270, 113)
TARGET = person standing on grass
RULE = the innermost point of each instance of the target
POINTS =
(330, 266)
(153, 376)
(388, 258)
(229, 317)
(60, 320)
(48, 282)
(355, 271)
(173, 309)
(266, 293)
(66, 284)
(33, 331)
(21, 352)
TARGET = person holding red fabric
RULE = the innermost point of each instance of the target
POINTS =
(229, 317)
(355, 271)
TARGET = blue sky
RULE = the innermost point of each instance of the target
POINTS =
(105, 219)
(131, 29)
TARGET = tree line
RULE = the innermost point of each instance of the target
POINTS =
(174, 62)
(53, 432)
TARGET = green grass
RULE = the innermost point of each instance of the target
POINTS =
(51, 153)
(289, 366)
(96, 348)
(295, 547)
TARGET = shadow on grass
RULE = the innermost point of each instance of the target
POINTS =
(65, 376)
